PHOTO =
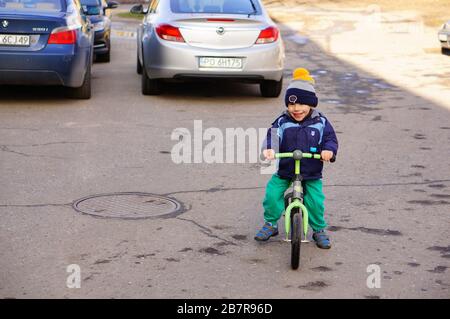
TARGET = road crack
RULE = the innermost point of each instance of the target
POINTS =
(220, 189)
(208, 232)
(5, 148)
(37, 205)
(43, 144)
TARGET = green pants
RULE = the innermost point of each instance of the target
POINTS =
(313, 200)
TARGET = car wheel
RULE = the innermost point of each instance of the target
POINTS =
(106, 57)
(150, 86)
(138, 65)
(84, 91)
(445, 51)
(270, 88)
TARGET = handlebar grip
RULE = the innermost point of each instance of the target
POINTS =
(262, 157)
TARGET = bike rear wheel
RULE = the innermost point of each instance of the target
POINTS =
(295, 237)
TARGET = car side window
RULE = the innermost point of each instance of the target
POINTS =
(75, 13)
(153, 6)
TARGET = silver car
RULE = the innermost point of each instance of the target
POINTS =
(224, 39)
(444, 37)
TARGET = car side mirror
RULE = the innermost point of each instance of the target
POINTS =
(137, 9)
(112, 5)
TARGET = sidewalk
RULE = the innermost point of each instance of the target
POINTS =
(395, 46)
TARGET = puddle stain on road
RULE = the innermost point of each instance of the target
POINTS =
(438, 270)
(211, 251)
(322, 269)
(239, 237)
(314, 286)
(445, 251)
(374, 231)
(427, 202)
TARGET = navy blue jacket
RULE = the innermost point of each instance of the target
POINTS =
(312, 135)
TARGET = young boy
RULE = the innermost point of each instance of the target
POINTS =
(300, 127)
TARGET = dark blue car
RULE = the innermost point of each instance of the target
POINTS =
(46, 42)
(99, 13)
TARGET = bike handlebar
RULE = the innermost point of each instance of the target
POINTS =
(299, 155)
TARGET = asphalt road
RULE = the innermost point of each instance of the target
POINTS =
(388, 195)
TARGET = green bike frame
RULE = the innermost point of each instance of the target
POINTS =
(298, 190)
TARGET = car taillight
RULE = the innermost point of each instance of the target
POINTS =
(169, 33)
(62, 36)
(268, 35)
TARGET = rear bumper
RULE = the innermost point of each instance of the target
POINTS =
(30, 77)
(164, 59)
(44, 67)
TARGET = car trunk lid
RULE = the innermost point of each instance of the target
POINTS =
(220, 32)
(37, 25)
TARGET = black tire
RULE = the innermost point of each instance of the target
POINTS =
(271, 88)
(138, 65)
(445, 51)
(103, 58)
(295, 238)
(84, 91)
(150, 86)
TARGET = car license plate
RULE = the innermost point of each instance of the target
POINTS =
(442, 37)
(15, 40)
(221, 63)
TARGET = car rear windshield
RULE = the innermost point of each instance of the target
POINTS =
(30, 5)
(216, 6)
(92, 7)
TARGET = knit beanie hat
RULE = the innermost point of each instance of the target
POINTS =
(301, 89)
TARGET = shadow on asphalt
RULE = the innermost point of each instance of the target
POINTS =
(344, 90)
(31, 93)
(355, 88)
(211, 88)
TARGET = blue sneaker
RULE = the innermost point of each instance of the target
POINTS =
(322, 240)
(266, 232)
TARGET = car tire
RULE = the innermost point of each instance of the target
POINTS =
(445, 51)
(105, 57)
(150, 86)
(84, 91)
(270, 88)
(138, 65)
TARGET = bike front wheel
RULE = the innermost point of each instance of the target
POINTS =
(295, 238)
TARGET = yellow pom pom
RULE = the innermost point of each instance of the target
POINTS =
(302, 74)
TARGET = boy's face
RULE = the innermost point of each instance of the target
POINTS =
(298, 111)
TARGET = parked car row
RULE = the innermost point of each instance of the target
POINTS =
(53, 42)
(99, 14)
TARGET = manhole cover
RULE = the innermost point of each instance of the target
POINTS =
(128, 206)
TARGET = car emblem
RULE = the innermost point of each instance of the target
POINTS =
(5, 23)
(220, 30)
